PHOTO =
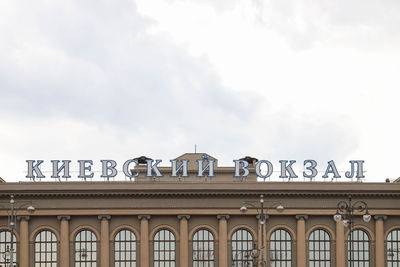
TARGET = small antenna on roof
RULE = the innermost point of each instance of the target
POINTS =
(195, 148)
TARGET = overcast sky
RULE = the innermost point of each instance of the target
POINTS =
(269, 79)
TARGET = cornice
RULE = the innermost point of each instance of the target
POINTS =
(212, 189)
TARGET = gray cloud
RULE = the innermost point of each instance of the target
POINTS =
(98, 63)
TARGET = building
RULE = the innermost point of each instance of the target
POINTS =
(199, 222)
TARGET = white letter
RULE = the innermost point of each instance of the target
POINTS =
(241, 165)
(126, 168)
(57, 170)
(108, 165)
(311, 168)
(360, 169)
(287, 168)
(183, 167)
(258, 169)
(83, 168)
(34, 168)
(151, 167)
(331, 168)
(209, 166)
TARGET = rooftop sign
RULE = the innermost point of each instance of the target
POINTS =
(205, 167)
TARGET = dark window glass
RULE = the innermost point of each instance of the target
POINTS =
(85, 249)
(46, 249)
(358, 249)
(242, 248)
(5, 247)
(281, 249)
(393, 248)
(164, 249)
(125, 249)
(319, 249)
(203, 249)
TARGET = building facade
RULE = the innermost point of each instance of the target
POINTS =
(199, 222)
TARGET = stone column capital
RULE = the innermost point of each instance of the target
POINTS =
(144, 217)
(23, 218)
(104, 217)
(223, 216)
(301, 217)
(183, 216)
(64, 218)
(380, 217)
(258, 216)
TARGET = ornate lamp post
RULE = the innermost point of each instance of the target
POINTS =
(345, 213)
(262, 218)
(12, 222)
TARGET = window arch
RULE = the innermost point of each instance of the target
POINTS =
(125, 248)
(85, 249)
(203, 248)
(393, 248)
(281, 248)
(358, 248)
(242, 247)
(46, 249)
(5, 246)
(319, 248)
(164, 248)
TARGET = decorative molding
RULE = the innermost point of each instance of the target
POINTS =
(380, 217)
(183, 216)
(301, 217)
(223, 216)
(144, 217)
(104, 217)
(64, 218)
(23, 218)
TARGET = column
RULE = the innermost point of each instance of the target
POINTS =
(380, 240)
(340, 245)
(104, 240)
(301, 240)
(23, 241)
(223, 239)
(184, 240)
(144, 240)
(64, 241)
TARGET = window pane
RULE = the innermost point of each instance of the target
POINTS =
(5, 245)
(319, 248)
(45, 249)
(85, 249)
(164, 248)
(125, 248)
(203, 248)
(358, 249)
(392, 248)
(281, 248)
(242, 247)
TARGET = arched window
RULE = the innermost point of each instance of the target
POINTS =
(319, 248)
(281, 249)
(358, 249)
(46, 249)
(242, 247)
(125, 249)
(85, 249)
(5, 247)
(164, 249)
(203, 249)
(393, 248)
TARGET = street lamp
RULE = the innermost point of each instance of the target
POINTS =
(345, 211)
(12, 222)
(262, 218)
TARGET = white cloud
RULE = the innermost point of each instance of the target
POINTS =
(268, 79)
